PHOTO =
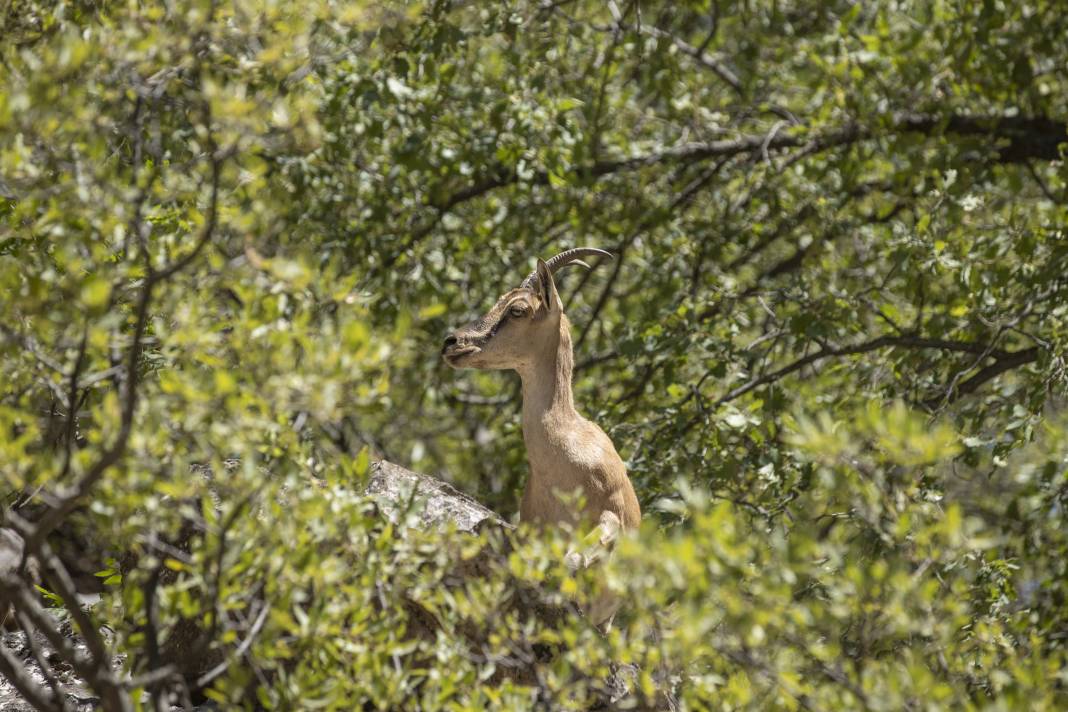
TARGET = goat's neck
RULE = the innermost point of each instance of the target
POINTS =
(547, 385)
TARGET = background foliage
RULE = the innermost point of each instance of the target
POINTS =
(830, 347)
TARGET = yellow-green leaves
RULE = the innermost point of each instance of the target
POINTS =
(857, 211)
(432, 310)
(95, 293)
(890, 432)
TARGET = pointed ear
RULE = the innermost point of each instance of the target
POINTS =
(547, 287)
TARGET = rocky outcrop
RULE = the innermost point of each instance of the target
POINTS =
(438, 504)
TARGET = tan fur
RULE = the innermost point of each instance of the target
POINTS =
(565, 451)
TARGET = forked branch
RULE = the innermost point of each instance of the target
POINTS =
(1003, 361)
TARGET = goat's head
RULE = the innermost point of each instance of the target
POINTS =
(523, 319)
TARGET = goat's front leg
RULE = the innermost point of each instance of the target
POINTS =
(595, 546)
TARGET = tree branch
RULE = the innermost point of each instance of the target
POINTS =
(72, 402)
(59, 693)
(96, 670)
(29, 344)
(69, 500)
(1004, 361)
(114, 453)
(61, 582)
(208, 230)
(33, 693)
(795, 260)
(1026, 137)
(213, 674)
(697, 53)
(682, 200)
(14, 590)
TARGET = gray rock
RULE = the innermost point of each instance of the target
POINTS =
(11, 550)
(11, 546)
(438, 504)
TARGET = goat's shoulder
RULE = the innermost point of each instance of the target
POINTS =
(582, 440)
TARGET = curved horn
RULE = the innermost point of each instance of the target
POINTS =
(565, 258)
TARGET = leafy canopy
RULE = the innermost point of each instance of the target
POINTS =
(830, 347)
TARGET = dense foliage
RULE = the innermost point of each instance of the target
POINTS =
(830, 346)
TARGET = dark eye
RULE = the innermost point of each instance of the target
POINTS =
(518, 312)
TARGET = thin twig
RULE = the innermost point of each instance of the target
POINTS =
(32, 692)
(683, 199)
(211, 675)
(58, 690)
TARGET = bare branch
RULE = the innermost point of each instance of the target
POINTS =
(33, 693)
(60, 580)
(682, 200)
(30, 345)
(156, 676)
(597, 359)
(96, 670)
(792, 263)
(1041, 183)
(72, 402)
(15, 589)
(1002, 363)
(211, 675)
(69, 500)
(152, 632)
(208, 230)
(699, 54)
(58, 691)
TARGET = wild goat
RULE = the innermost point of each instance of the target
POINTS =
(527, 331)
